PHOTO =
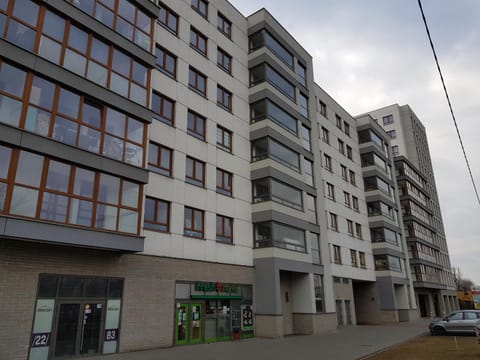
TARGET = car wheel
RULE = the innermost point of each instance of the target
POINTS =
(438, 330)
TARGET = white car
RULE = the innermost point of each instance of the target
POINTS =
(462, 321)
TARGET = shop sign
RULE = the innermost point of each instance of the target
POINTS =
(218, 290)
(247, 317)
(42, 329)
(112, 322)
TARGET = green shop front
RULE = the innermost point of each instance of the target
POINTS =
(212, 311)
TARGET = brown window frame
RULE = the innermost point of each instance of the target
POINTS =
(168, 13)
(341, 147)
(337, 254)
(194, 180)
(198, 8)
(353, 257)
(328, 162)
(330, 194)
(195, 87)
(333, 225)
(196, 41)
(323, 108)
(222, 188)
(352, 178)
(223, 236)
(69, 193)
(344, 172)
(161, 115)
(193, 231)
(350, 227)
(221, 56)
(161, 65)
(355, 203)
(157, 167)
(358, 231)
(349, 152)
(196, 119)
(226, 98)
(325, 135)
(346, 128)
(361, 256)
(221, 144)
(338, 121)
(156, 225)
(224, 25)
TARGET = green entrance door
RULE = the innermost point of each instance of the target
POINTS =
(188, 323)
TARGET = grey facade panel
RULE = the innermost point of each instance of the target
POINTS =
(58, 74)
(386, 293)
(272, 172)
(388, 251)
(375, 172)
(96, 26)
(69, 153)
(385, 224)
(267, 281)
(272, 215)
(3, 224)
(380, 196)
(64, 235)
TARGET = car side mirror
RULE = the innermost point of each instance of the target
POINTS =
(446, 319)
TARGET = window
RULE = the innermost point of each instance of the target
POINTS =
(315, 243)
(353, 257)
(224, 182)
(157, 215)
(224, 229)
(273, 234)
(355, 203)
(265, 72)
(224, 139)
(266, 109)
(352, 177)
(331, 191)
(323, 108)
(388, 119)
(164, 108)
(267, 189)
(341, 146)
(358, 230)
(328, 162)
(196, 125)
(325, 135)
(193, 222)
(333, 222)
(168, 19)
(349, 152)
(311, 209)
(166, 62)
(197, 81)
(338, 121)
(350, 227)
(308, 169)
(319, 293)
(379, 235)
(387, 262)
(392, 134)
(303, 102)
(363, 263)
(268, 148)
(224, 60)
(200, 6)
(224, 98)
(198, 41)
(346, 197)
(68, 194)
(344, 172)
(306, 138)
(302, 74)
(224, 26)
(160, 159)
(195, 173)
(395, 150)
(337, 255)
(264, 38)
(346, 128)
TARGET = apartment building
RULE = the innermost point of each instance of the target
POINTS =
(422, 219)
(392, 266)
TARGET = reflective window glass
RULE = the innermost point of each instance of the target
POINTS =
(53, 25)
(84, 181)
(68, 103)
(29, 169)
(109, 189)
(21, 35)
(24, 201)
(26, 11)
(12, 80)
(58, 176)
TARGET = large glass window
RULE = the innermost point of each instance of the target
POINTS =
(224, 98)
(384, 235)
(12, 84)
(268, 148)
(68, 195)
(194, 222)
(311, 209)
(198, 41)
(387, 262)
(265, 72)
(264, 38)
(265, 108)
(375, 183)
(160, 159)
(197, 81)
(270, 189)
(306, 138)
(166, 62)
(195, 173)
(224, 138)
(157, 215)
(315, 245)
(196, 125)
(168, 18)
(308, 171)
(319, 293)
(224, 25)
(303, 102)
(273, 234)
(224, 60)
(224, 182)
(224, 229)
(163, 107)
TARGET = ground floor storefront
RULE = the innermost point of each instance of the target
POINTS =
(63, 302)
(435, 303)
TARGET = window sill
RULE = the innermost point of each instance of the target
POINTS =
(166, 73)
(195, 90)
(225, 242)
(163, 120)
(192, 182)
(204, 54)
(226, 108)
(194, 237)
(196, 136)
(223, 148)
(168, 29)
(229, 72)
(224, 193)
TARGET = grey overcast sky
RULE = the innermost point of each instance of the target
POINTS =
(371, 53)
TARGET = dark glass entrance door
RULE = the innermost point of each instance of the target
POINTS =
(78, 329)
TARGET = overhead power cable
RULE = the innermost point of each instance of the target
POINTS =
(448, 100)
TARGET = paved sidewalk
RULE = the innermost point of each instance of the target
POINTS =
(349, 343)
